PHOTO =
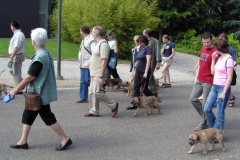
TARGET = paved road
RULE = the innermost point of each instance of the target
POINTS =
(163, 136)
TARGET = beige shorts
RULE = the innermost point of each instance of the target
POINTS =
(169, 62)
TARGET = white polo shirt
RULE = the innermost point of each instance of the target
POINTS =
(18, 40)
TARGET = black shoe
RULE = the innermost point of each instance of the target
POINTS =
(168, 85)
(132, 107)
(23, 146)
(163, 85)
(61, 147)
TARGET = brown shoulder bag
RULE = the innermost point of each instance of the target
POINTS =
(32, 101)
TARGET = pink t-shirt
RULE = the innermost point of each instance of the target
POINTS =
(220, 75)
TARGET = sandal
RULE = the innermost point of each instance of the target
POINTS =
(231, 101)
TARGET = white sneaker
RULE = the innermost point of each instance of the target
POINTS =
(200, 98)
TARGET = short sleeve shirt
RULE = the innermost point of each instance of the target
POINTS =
(142, 59)
(18, 41)
(168, 49)
(220, 75)
(111, 44)
(101, 51)
(205, 61)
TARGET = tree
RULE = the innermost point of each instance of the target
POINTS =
(233, 22)
(125, 17)
(180, 15)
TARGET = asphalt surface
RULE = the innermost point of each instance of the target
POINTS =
(159, 136)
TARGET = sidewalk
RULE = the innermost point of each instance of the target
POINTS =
(158, 136)
(180, 71)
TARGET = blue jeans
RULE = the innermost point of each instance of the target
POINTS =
(84, 83)
(216, 122)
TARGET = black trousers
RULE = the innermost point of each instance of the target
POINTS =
(45, 113)
(112, 72)
(139, 83)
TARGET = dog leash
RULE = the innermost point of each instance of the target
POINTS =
(141, 93)
(2, 71)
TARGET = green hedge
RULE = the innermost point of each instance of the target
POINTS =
(125, 17)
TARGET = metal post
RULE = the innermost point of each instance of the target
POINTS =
(59, 40)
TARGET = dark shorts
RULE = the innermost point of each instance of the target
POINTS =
(45, 113)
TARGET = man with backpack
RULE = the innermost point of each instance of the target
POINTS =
(98, 68)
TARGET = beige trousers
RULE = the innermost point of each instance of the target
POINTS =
(96, 95)
(16, 69)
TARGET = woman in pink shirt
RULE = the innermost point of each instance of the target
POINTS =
(221, 89)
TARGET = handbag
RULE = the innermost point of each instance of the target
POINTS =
(234, 78)
(32, 101)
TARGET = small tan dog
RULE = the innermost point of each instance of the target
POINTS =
(157, 83)
(3, 88)
(206, 136)
(129, 86)
(146, 102)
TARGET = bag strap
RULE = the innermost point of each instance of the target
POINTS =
(226, 62)
(100, 46)
(86, 48)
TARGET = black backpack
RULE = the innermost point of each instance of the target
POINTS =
(234, 76)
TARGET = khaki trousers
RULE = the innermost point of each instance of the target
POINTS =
(16, 69)
(96, 95)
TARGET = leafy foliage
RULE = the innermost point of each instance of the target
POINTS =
(125, 17)
(233, 22)
(179, 16)
(187, 42)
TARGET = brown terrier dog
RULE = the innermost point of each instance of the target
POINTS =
(3, 88)
(146, 102)
(113, 82)
(211, 135)
(157, 83)
(129, 86)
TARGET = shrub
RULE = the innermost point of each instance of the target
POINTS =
(125, 17)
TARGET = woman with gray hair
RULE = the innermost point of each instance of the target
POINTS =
(40, 79)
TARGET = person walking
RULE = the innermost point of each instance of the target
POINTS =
(233, 53)
(113, 46)
(135, 50)
(221, 90)
(167, 51)
(156, 59)
(40, 74)
(204, 79)
(98, 69)
(85, 52)
(16, 51)
(142, 72)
